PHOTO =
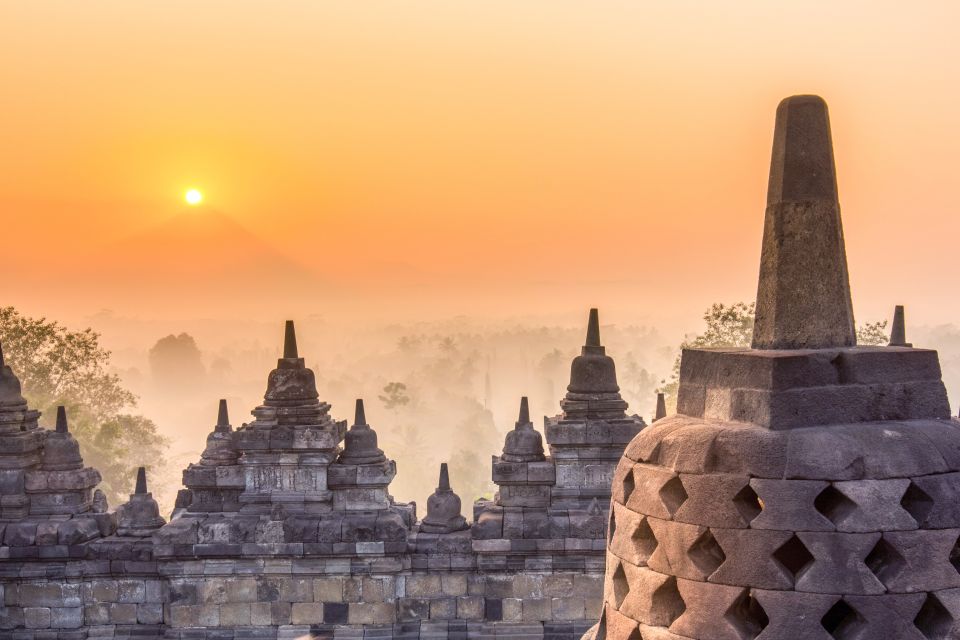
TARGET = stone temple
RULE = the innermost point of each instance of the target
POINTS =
(807, 488)
(286, 528)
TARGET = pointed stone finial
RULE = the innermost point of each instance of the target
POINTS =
(223, 417)
(898, 331)
(524, 417)
(803, 296)
(359, 415)
(290, 342)
(1, 355)
(661, 411)
(62, 426)
(444, 484)
(141, 481)
(593, 329)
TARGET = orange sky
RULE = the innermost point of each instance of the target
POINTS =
(500, 157)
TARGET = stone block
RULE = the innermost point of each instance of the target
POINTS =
(328, 589)
(371, 613)
(244, 589)
(454, 584)
(96, 614)
(788, 505)
(296, 590)
(413, 608)
(942, 509)
(648, 481)
(46, 533)
(470, 608)
(150, 613)
(424, 586)
(235, 614)
(36, 617)
(889, 616)
(131, 591)
(705, 615)
(512, 609)
(260, 615)
(839, 563)
(443, 609)
(568, 608)
(306, 613)
(793, 615)
(911, 561)
(537, 609)
(684, 550)
(20, 534)
(78, 531)
(876, 506)
(755, 562)
(631, 537)
(123, 613)
(717, 500)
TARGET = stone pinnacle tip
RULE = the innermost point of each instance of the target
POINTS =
(444, 484)
(593, 329)
(141, 481)
(290, 341)
(524, 417)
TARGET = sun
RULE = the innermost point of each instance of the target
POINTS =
(193, 197)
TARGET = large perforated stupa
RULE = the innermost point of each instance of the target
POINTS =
(807, 488)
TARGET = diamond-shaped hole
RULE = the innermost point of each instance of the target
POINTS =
(629, 484)
(643, 540)
(933, 620)
(917, 503)
(794, 556)
(612, 529)
(706, 553)
(842, 621)
(748, 503)
(667, 605)
(885, 561)
(673, 495)
(834, 505)
(620, 585)
(635, 634)
(747, 616)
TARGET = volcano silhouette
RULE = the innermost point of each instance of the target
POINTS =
(204, 253)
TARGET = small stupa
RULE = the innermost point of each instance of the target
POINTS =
(139, 517)
(443, 508)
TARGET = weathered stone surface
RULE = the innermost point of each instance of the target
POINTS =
(803, 301)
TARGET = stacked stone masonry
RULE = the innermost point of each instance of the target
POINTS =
(286, 528)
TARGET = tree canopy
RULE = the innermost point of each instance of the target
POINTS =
(57, 366)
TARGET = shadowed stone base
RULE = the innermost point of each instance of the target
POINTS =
(786, 389)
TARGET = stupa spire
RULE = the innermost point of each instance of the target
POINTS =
(62, 426)
(803, 296)
(1, 355)
(359, 414)
(290, 341)
(444, 483)
(661, 411)
(524, 417)
(141, 481)
(593, 329)
(223, 417)
(898, 330)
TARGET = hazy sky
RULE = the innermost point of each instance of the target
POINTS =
(495, 157)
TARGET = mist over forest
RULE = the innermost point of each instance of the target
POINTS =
(439, 391)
